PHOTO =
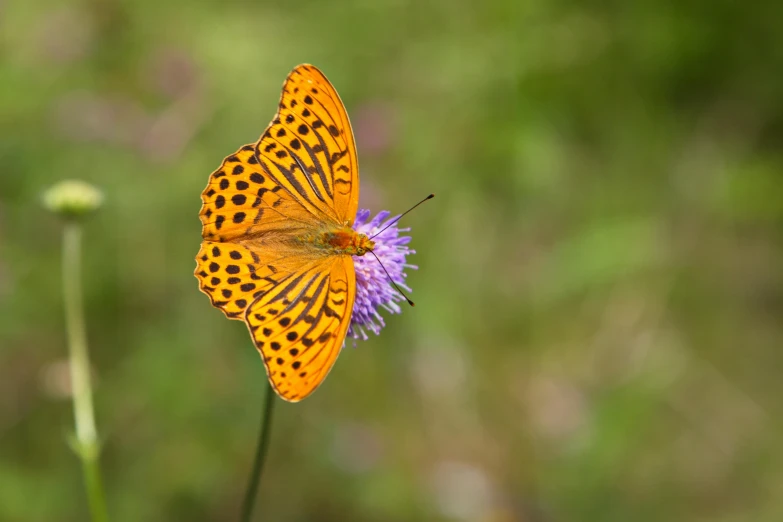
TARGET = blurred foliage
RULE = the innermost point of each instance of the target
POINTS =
(598, 332)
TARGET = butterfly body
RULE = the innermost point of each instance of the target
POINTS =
(278, 244)
(342, 241)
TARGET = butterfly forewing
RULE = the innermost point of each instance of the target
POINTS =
(309, 147)
(241, 201)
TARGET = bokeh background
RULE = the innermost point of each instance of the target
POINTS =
(599, 325)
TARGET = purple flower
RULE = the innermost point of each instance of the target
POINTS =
(373, 290)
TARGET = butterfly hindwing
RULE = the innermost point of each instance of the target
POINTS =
(233, 276)
(299, 326)
(309, 147)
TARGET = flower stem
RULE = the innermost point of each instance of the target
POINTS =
(86, 435)
(261, 448)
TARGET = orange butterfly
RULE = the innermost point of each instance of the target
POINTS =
(278, 243)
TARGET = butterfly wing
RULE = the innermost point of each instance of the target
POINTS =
(231, 276)
(309, 148)
(299, 326)
(234, 274)
(245, 217)
(241, 201)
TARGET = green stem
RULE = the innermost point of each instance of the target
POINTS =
(86, 434)
(261, 448)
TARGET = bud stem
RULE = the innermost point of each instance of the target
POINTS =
(86, 434)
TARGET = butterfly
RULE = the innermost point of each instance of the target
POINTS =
(277, 239)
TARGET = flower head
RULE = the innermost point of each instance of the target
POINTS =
(72, 198)
(373, 290)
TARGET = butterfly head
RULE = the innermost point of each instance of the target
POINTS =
(362, 244)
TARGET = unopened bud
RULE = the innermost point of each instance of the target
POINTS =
(72, 198)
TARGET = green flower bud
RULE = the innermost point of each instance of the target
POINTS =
(72, 198)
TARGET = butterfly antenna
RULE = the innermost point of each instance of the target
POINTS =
(392, 280)
(393, 221)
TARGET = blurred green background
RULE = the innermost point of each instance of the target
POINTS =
(600, 296)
